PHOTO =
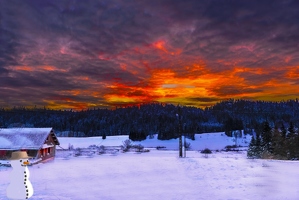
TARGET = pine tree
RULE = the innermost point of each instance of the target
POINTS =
(259, 149)
(283, 131)
(266, 137)
(278, 144)
(291, 142)
(251, 152)
(255, 150)
(291, 130)
(137, 135)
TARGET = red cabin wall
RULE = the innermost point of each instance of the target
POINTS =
(2, 154)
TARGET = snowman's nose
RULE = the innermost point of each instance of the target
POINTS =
(26, 163)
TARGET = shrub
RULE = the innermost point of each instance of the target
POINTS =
(78, 152)
(187, 145)
(102, 149)
(71, 147)
(231, 146)
(127, 144)
(139, 148)
(206, 151)
(93, 146)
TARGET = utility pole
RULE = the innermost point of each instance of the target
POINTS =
(184, 146)
(180, 133)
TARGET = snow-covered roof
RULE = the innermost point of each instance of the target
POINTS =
(24, 138)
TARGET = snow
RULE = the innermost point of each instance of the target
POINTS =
(213, 141)
(5, 142)
(18, 138)
(161, 174)
(47, 146)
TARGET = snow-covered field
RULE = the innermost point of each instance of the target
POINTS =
(213, 141)
(161, 175)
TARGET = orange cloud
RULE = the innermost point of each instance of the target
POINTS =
(293, 72)
(162, 46)
(193, 84)
(164, 85)
(288, 59)
(183, 81)
(51, 68)
(36, 68)
(22, 68)
(67, 104)
(119, 92)
(75, 99)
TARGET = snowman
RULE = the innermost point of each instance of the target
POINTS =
(20, 187)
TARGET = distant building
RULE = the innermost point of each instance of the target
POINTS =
(40, 143)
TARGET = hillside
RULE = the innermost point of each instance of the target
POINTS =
(156, 118)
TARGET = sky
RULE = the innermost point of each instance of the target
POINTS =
(107, 53)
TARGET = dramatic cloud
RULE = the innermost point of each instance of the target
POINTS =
(77, 54)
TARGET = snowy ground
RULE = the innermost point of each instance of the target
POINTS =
(161, 175)
(213, 141)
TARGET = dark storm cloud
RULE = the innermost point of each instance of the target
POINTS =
(248, 22)
(228, 90)
(108, 42)
(110, 27)
(101, 72)
(267, 75)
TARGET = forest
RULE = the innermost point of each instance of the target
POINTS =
(274, 143)
(156, 118)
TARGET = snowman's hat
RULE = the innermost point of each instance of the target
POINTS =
(17, 155)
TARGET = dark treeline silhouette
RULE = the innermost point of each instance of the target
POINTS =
(155, 118)
(274, 143)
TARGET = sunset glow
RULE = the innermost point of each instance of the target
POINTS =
(116, 53)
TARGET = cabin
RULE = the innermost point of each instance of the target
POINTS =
(40, 143)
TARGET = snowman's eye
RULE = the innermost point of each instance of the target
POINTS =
(20, 160)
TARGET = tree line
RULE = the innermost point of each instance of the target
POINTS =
(155, 118)
(275, 142)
